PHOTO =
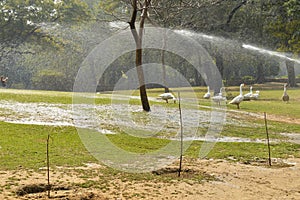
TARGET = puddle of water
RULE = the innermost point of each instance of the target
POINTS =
(22, 121)
(225, 139)
(293, 137)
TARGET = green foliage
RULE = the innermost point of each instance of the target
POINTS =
(111, 5)
(49, 80)
(74, 11)
(56, 36)
(32, 28)
(293, 8)
(112, 9)
(285, 27)
(248, 79)
(22, 21)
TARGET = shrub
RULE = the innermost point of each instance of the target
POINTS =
(49, 80)
(248, 80)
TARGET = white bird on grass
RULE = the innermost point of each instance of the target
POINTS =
(285, 96)
(207, 94)
(167, 96)
(255, 96)
(238, 99)
(248, 95)
(219, 97)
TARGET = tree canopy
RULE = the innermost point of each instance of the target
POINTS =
(56, 35)
(29, 20)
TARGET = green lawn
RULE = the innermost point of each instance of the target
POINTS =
(24, 146)
(30, 96)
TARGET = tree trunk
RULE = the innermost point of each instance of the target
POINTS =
(140, 72)
(291, 73)
(220, 66)
(138, 38)
(197, 78)
(260, 75)
(163, 63)
(219, 63)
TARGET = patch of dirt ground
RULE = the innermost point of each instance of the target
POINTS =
(231, 181)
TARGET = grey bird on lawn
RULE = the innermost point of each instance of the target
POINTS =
(285, 96)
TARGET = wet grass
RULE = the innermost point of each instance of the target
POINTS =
(257, 130)
(23, 146)
(269, 102)
(246, 151)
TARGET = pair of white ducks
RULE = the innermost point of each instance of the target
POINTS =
(218, 98)
(238, 99)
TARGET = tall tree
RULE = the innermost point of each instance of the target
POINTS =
(118, 11)
(138, 38)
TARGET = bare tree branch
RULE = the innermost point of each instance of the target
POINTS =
(132, 21)
(234, 10)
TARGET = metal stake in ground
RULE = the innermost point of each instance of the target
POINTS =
(181, 134)
(48, 167)
(268, 140)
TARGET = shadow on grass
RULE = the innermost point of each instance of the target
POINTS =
(38, 188)
(189, 174)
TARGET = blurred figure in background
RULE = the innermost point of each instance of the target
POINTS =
(3, 80)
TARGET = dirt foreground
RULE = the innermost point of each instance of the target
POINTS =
(231, 181)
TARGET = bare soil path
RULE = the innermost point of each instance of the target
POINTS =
(231, 181)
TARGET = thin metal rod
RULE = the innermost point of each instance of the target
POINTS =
(181, 135)
(268, 139)
(48, 167)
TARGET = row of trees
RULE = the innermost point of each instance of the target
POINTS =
(43, 43)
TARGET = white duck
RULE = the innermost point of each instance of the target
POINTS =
(255, 96)
(167, 96)
(207, 94)
(238, 99)
(248, 95)
(219, 97)
(285, 96)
